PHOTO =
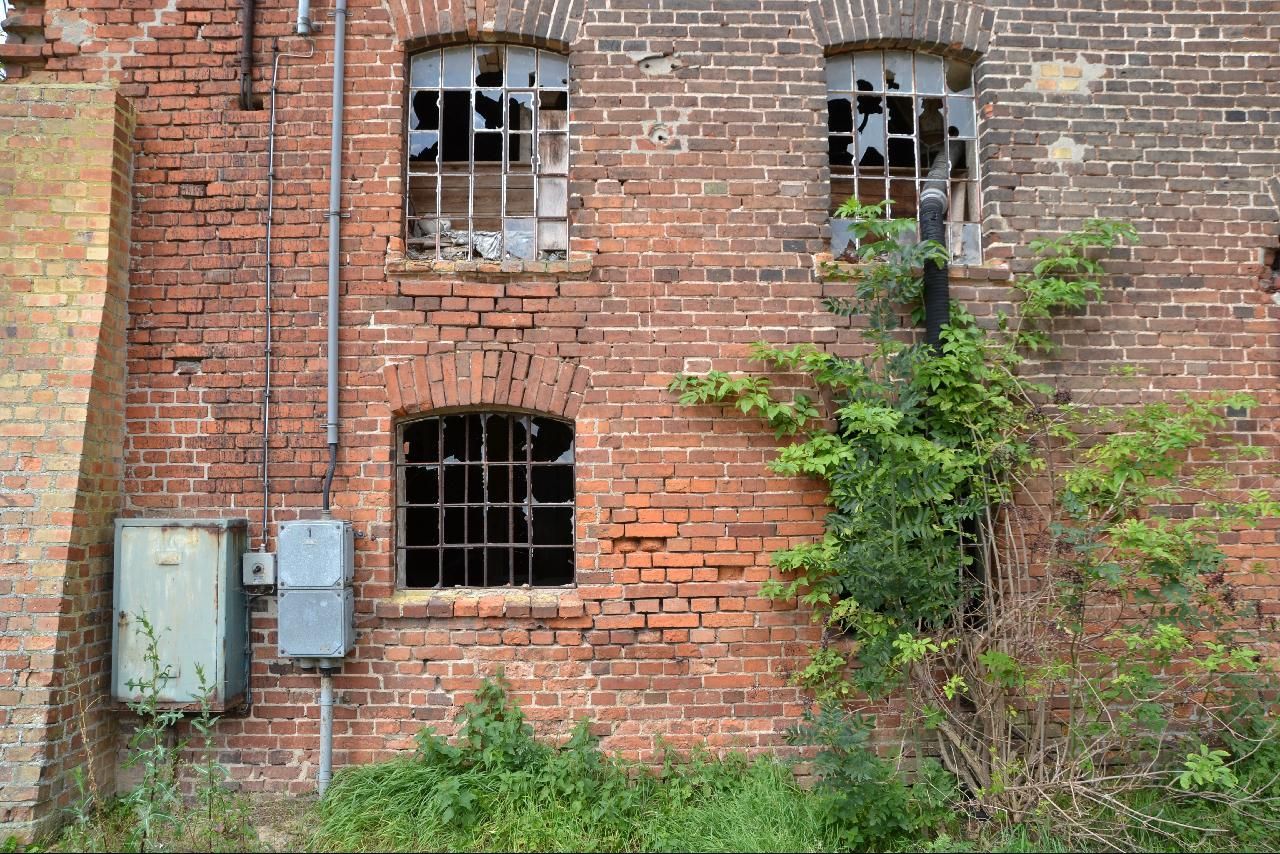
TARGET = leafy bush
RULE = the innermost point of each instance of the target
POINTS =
(1040, 580)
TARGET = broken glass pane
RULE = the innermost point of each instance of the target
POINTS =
(553, 70)
(960, 117)
(871, 190)
(422, 203)
(424, 70)
(929, 74)
(871, 139)
(488, 71)
(838, 152)
(931, 126)
(552, 441)
(839, 80)
(867, 71)
(840, 114)
(518, 237)
(424, 147)
(553, 153)
(553, 197)
(426, 111)
(897, 71)
(520, 111)
(520, 66)
(457, 67)
(488, 109)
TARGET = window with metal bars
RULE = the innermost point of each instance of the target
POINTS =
(485, 499)
(488, 154)
(890, 115)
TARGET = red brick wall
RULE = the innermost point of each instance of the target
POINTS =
(64, 172)
(685, 251)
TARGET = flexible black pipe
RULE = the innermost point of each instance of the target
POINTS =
(246, 54)
(933, 211)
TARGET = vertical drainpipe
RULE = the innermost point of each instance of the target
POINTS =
(331, 399)
(933, 207)
(246, 54)
(335, 219)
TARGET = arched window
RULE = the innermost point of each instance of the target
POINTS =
(485, 499)
(891, 115)
(488, 154)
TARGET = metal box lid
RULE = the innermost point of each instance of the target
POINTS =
(318, 553)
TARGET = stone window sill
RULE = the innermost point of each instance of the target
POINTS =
(578, 265)
(541, 603)
(826, 265)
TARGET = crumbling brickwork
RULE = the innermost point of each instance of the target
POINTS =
(698, 204)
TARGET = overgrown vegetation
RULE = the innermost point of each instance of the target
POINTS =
(153, 815)
(497, 788)
(1041, 580)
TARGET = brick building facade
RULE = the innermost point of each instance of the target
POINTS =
(132, 239)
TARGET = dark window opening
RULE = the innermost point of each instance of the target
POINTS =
(485, 500)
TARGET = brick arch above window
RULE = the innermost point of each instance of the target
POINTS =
(956, 27)
(545, 23)
(486, 378)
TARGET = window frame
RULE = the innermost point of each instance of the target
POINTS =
(930, 80)
(538, 223)
(441, 506)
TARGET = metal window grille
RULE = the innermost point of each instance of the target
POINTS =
(485, 499)
(488, 154)
(889, 114)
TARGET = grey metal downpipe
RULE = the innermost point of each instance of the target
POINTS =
(335, 218)
(246, 54)
(933, 211)
(326, 731)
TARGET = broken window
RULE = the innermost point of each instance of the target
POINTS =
(890, 116)
(485, 499)
(488, 154)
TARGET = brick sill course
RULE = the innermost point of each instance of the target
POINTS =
(826, 265)
(511, 603)
(578, 265)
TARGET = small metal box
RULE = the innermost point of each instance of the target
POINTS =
(183, 575)
(316, 554)
(258, 569)
(316, 623)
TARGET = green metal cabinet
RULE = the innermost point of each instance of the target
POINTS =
(184, 576)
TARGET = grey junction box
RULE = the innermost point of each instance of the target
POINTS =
(183, 575)
(316, 614)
